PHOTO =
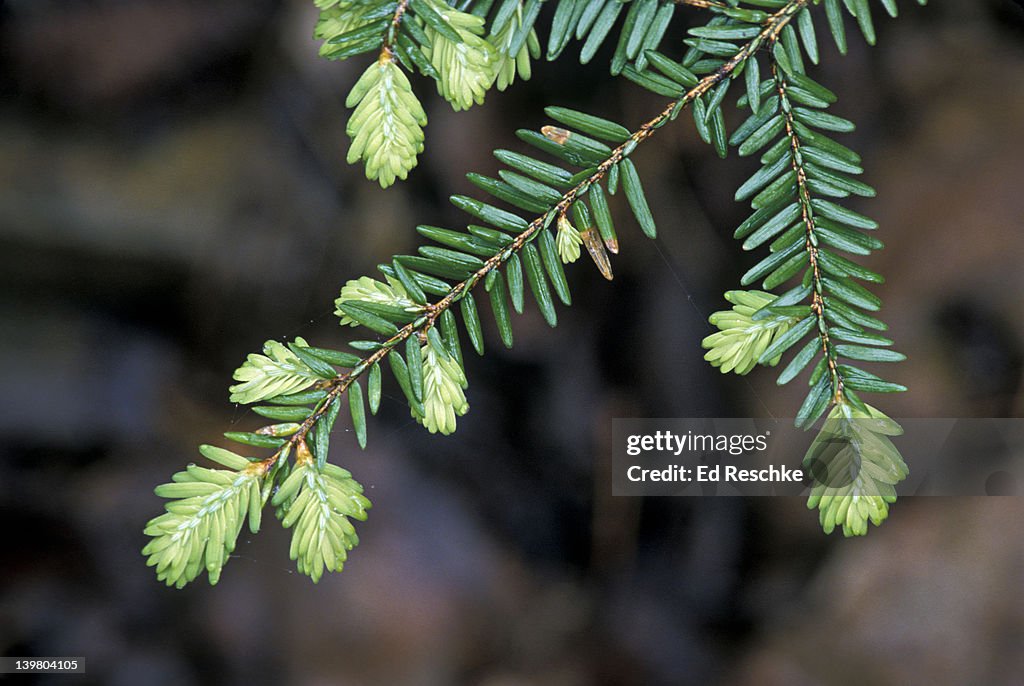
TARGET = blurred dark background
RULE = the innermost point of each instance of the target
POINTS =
(173, 192)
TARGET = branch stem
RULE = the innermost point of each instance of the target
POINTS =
(391, 33)
(810, 239)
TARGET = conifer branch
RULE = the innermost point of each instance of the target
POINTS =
(803, 175)
(793, 216)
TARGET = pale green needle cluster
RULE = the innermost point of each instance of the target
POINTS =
(201, 525)
(369, 290)
(855, 467)
(567, 241)
(742, 339)
(508, 64)
(317, 502)
(467, 69)
(278, 371)
(444, 398)
(386, 127)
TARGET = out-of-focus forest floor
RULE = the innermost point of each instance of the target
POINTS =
(173, 192)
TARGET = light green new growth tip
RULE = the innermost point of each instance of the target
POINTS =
(387, 125)
(467, 67)
(855, 468)
(742, 340)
